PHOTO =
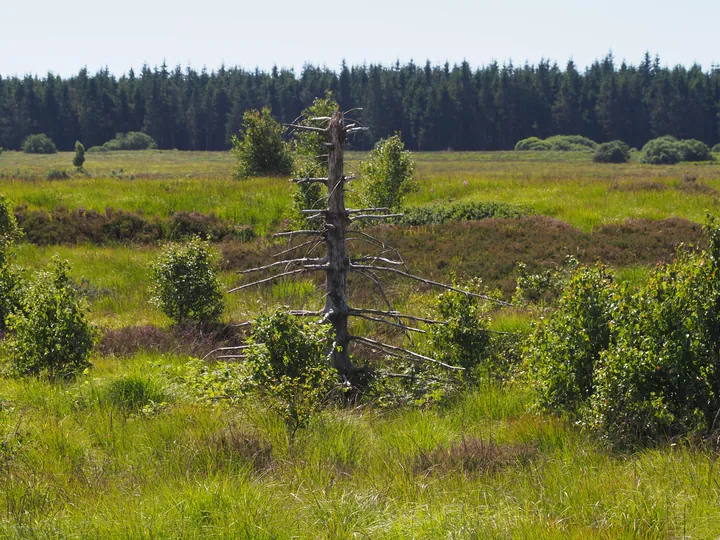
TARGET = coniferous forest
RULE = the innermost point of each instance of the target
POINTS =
(435, 107)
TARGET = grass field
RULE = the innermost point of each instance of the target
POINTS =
(77, 462)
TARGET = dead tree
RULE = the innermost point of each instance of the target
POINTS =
(338, 227)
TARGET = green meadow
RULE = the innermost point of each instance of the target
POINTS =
(81, 460)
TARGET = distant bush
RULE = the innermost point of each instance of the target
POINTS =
(64, 226)
(49, 333)
(557, 143)
(693, 150)
(132, 140)
(185, 283)
(570, 143)
(79, 157)
(57, 174)
(661, 151)
(437, 213)
(716, 148)
(38, 144)
(668, 150)
(532, 144)
(387, 174)
(612, 152)
(259, 148)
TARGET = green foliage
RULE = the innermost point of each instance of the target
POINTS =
(557, 143)
(132, 140)
(260, 149)
(571, 143)
(49, 333)
(532, 144)
(661, 377)
(79, 157)
(612, 152)
(186, 286)
(564, 349)
(438, 213)
(289, 366)
(716, 148)
(10, 280)
(464, 340)
(38, 144)
(309, 162)
(387, 174)
(543, 287)
(693, 150)
(668, 150)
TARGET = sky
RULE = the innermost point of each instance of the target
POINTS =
(41, 36)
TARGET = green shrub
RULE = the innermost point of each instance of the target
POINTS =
(463, 341)
(49, 333)
(309, 149)
(661, 151)
(570, 143)
(131, 394)
(438, 213)
(563, 350)
(543, 287)
(661, 377)
(387, 174)
(693, 150)
(260, 149)
(716, 148)
(186, 286)
(132, 140)
(10, 281)
(532, 144)
(612, 152)
(290, 368)
(57, 174)
(38, 144)
(79, 157)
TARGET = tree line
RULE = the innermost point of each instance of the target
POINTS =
(435, 107)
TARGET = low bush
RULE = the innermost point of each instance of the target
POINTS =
(463, 341)
(186, 286)
(661, 151)
(693, 150)
(39, 144)
(564, 349)
(557, 143)
(64, 226)
(612, 152)
(259, 148)
(435, 214)
(289, 366)
(132, 140)
(570, 143)
(10, 280)
(716, 148)
(79, 157)
(50, 335)
(638, 365)
(387, 174)
(532, 144)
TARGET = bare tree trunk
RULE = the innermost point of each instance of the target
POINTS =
(338, 262)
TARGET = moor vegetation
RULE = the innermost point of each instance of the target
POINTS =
(586, 407)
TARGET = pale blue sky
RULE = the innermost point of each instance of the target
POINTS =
(37, 36)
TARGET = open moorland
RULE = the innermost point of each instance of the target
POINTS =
(79, 461)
